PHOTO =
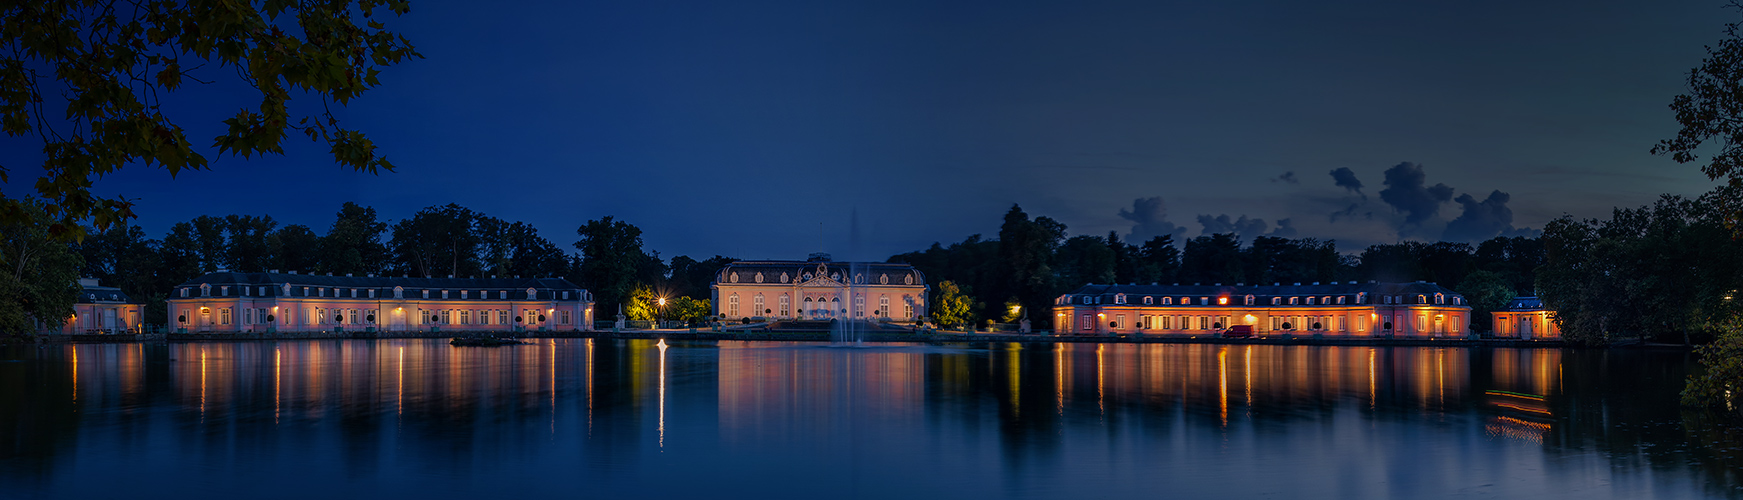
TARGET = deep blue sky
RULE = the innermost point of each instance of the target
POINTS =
(739, 128)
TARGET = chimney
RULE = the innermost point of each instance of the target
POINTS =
(293, 272)
(1297, 283)
(274, 271)
(347, 275)
(450, 276)
(1316, 283)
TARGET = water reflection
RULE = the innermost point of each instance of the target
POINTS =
(805, 420)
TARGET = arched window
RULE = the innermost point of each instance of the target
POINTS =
(1167, 301)
(1248, 300)
(1186, 301)
(1310, 301)
(1119, 298)
(532, 294)
(1276, 301)
(1294, 300)
(1362, 298)
(1149, 300)
(1421, 299)
(1439, 299)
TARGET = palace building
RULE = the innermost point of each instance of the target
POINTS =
(256, 302)
(1337, 309)
(818, 289)
(99, 309)
(1526, 318)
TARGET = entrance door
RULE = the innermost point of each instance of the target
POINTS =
(109, 320)
(1525, 327)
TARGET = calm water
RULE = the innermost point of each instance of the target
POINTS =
(601, 419)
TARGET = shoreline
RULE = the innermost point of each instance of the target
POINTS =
(935, 338)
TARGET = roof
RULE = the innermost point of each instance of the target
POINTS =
(98, 294)
(1262, 292)
(796, 271)
(274, 283)
(1525, 304)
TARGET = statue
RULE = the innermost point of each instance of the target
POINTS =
(620, 317)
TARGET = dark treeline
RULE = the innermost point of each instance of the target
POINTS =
(438, 241)
(1033, 261)
(1668, 272)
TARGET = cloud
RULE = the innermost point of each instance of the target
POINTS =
(1485, 219)
(1245, 228)
(1287, 178)
(1406, 193)
(1346, 178)
(1350, 213)
(1285, 229)
(1149, 218)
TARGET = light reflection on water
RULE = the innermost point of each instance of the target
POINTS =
(789, 420)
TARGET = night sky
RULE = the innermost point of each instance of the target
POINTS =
(742, 128)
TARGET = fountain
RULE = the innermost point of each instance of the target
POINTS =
(847, 329)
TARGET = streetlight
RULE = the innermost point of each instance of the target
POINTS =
(662, 313)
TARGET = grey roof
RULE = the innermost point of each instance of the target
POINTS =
(797, 269)
(274, 282)
(97, 294)
(1525, 304)
(1263, 293)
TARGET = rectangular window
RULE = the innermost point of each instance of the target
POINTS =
(1167, 323)
(1361, 323)
(502, 316)
(372, 293)
(1341, 320)
(447, 316)
(1455, 324)
(444, 294)
(465, 316)
(354, 318)
(223, 315)
(465, 294)
(503, 295)
(563, 317)
(1087, 323)
(1273, 322)
(565, 295)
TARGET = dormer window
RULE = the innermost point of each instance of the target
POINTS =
(565, 295)
(205, 290)
(399, 292)
(1248, 300)
(532, 294)
(1439, 299)
(1294, 300)
(1276, 301)
(1421, 299)
(1186, 301)
(1340, 300)
(1119, 298)
(464, 294)
(372, 293)
(1149, 300)
(1310, 301)
(1362, 298)
(503, 295)
(426, 293)
(1456, 301)
(444, 294)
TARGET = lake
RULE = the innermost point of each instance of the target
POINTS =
(589, 418)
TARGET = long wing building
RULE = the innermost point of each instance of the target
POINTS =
(1337, 309)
